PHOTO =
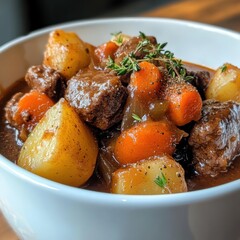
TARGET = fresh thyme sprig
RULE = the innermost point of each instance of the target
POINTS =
(127, 65)
(153, 52)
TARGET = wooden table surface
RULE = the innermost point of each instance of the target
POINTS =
(224, 13)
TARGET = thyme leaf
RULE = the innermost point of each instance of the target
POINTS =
(223, 68)
(142, 35)
(116, 33)
(136, 117)
(152, 52)
(161, 180)
(127, 65)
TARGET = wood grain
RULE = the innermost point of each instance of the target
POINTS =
(6, 233)
(217, 12)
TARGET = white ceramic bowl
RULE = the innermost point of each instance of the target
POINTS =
(40, 209)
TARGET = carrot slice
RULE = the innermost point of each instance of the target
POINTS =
(31, 108)
(185, 103)
(105, 50)
(147, 81)
(146, 139)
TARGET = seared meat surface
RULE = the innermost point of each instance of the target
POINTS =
(97, 96)
(200, 80)
(130, 46)
(46, 80)
(10, 110)
(215, 138)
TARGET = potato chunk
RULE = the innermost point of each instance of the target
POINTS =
(66, 52)
(60, 148)
(155, 175)
(225, 84)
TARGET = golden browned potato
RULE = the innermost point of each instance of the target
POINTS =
(91, 51)
(155, 175)
(61, 147)
(225, 84)
(66, 52)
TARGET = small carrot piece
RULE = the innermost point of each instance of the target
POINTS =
(147, 81)
(146, 139)
(31, 108)
(184, 103)
(105, 50)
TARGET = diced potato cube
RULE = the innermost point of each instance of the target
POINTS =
(61, 147)
(66, 52)
(155, 175)
(225, 84)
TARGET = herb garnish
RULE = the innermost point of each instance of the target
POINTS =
(116, 33)
(223, 68)
(161, 181)
(127, 65)
(152, 52)
(136, 117)
(118, 38)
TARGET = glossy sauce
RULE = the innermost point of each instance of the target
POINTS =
(11, 146)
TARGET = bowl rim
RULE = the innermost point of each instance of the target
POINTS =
(77, 23)
(116, 199)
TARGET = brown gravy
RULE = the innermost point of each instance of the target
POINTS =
(10, 145)
(10, 148)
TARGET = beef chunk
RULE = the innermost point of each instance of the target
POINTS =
(200, 80)
(130, 46)
(127, 48)
(97, 96)
(10, 110)
(215, 138)
(46, 80)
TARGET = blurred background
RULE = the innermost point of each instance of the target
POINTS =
(18, 17)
